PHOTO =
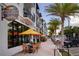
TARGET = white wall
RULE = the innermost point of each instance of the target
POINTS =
(4, 51)
(4, 40)
(0, 34)
(19, 6)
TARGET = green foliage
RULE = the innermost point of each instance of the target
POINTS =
(63, 10)
(43, 39)
(70, 30)
(64, 53)
(53, 25)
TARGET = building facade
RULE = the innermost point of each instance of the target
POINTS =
(11, 42)
(40, 22)
(28, 17)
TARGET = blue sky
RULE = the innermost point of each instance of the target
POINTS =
(42, 7)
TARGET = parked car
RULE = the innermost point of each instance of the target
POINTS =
(72, 42)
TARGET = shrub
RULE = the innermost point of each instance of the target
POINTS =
(43, 39)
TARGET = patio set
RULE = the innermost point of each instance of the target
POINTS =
(30, 47)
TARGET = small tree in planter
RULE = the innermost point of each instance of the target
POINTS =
(43, 39)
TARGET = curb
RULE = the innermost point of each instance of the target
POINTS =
(59, 52)
(69, 53)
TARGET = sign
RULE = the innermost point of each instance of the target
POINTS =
(26, 20)
(10, 12)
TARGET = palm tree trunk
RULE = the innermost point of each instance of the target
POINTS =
(62, 25)
(55, 32)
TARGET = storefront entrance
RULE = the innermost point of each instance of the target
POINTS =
(14, 39)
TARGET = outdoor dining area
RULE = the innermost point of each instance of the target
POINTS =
(32, 46)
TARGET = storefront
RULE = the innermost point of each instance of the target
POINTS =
(10, 41)
(14, 39)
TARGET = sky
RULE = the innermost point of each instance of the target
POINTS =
(74, 21)
(42, 7)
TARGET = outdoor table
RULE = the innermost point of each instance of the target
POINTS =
(30, 48)
(25, 47)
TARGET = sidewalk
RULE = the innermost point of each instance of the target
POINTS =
(46, 49)
(74, 51)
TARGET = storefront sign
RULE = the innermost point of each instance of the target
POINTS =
(10, 13)
(28, 21)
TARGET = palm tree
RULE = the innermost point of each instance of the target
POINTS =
(51, 30)
(53, 25)
(63, 10)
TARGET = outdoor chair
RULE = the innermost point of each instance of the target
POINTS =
(37, 46)
(24, 48)
(34, 47)
(30, 46)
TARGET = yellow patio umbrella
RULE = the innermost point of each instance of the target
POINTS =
(30, 32)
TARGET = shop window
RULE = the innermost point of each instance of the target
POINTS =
(14, 39)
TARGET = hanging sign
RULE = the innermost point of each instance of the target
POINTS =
(10, 13)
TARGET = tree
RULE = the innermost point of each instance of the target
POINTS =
(53, 25)
(51, 30)
(70, 30)
(63, 10)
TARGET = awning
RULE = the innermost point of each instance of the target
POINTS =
(30, 32)
(15, 33)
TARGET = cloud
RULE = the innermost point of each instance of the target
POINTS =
(74, 21)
